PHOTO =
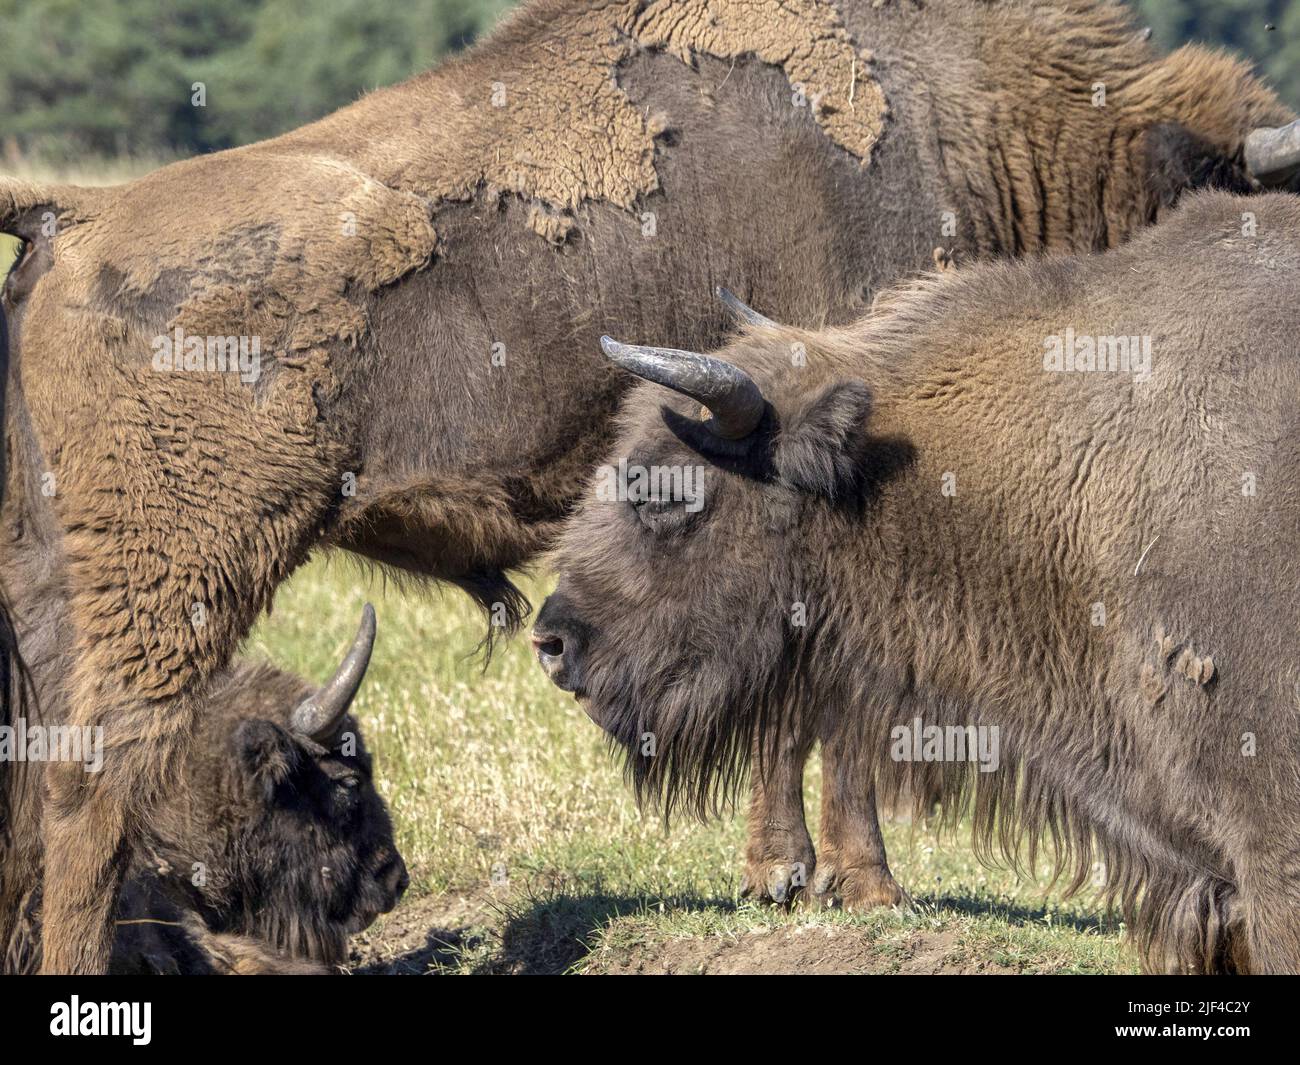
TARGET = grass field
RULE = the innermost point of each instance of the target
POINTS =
(528, 855)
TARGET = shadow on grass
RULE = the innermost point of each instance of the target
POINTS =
(967, 904)
(440, 953)
(539, 934)
(550, 932)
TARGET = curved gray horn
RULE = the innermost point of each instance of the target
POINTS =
(730, 394)
(741, 312)
(318, 716)
(1273, 155)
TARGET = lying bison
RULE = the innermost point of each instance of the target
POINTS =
(274, 846)
(377, 332)
(1046, 510)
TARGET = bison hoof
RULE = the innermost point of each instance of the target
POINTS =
(775, 882)
(858, 888)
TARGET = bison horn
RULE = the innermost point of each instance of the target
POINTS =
(730, 394)
(742, 313)
(1273, 155)
(319, 715)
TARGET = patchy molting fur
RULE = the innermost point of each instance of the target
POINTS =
(977, 607)
(382, 255)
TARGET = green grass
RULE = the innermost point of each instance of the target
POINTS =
(504, 791)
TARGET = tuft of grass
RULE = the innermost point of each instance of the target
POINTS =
(506, 795)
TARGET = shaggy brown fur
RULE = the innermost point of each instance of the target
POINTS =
(951, 514)
(419, 334)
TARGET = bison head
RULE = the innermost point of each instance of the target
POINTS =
(278, 832)
(690, 589)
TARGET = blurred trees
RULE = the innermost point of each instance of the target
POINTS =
(113, 77)
(1239, 25)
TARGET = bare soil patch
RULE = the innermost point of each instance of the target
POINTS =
(423, 936)
(802, 951)
(436, 934)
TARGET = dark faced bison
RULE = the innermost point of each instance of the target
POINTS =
(1025, 535)
(377, 332)
(271, 849)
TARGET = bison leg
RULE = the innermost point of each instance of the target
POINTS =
(1271, 906)
(93, 818)
(186, 500)
(852, 872)
(779, 856)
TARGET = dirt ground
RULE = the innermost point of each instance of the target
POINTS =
(419, 937)
(450, 933)
(798, 951)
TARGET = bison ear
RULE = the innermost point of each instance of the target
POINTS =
(821, 444)
(266, 754)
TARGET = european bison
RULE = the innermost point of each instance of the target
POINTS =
(271, 849)
(1027, 534)
(377, 332)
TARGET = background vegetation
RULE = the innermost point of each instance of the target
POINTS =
(115, 77)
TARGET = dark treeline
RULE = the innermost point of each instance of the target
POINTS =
(115, 77)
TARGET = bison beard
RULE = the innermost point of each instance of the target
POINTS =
(480, 225)
(1161, 744)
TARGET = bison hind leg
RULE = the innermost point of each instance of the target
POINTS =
(94, 812)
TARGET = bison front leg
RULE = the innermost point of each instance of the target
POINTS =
(779, 856)
(95, 808)
(169, 567)
(853, 872)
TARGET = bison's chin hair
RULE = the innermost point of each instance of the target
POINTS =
(689, 737)
(300, 935)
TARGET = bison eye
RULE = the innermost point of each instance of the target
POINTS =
(350, 782)
(662, 515)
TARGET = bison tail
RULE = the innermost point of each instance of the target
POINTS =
(24, 205)
(15, 697)
(11, 679)
(14, 679)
